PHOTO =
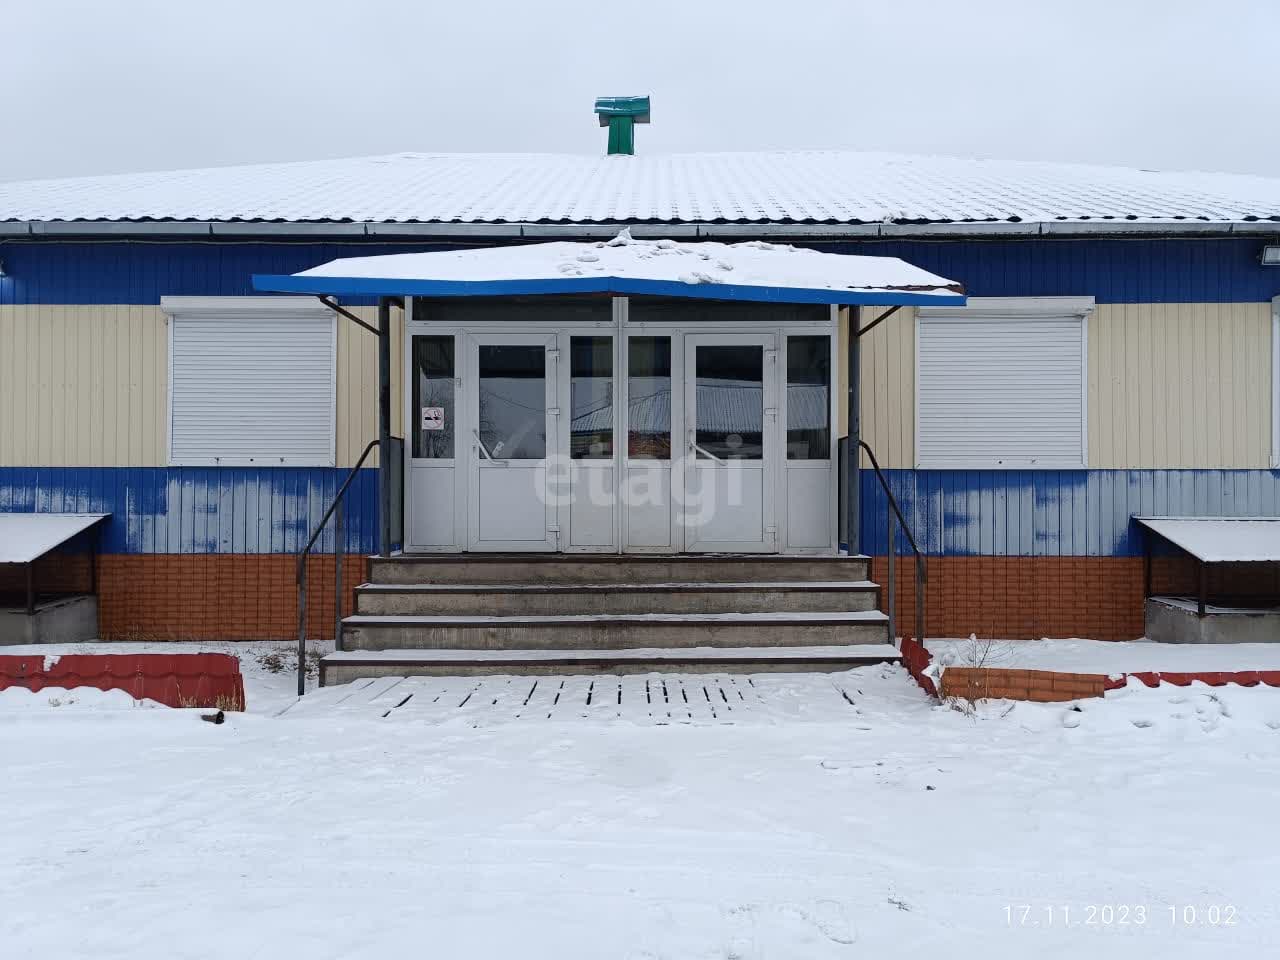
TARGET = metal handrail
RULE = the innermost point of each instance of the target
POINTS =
(890, 551)
(301, 573)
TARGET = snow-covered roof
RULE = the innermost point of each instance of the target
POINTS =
(1221, 539)
(754, 270)
(28, 536)
(814, 187)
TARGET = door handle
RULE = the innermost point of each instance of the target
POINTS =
(485, 450)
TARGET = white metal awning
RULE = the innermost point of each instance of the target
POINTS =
(28, 536)
(1221, 539)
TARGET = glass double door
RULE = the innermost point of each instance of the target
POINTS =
(595, 441)
(542, 471)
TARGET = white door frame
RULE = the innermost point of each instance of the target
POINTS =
(442, 480)
(696, 461)
(621, 327)
(480, 460)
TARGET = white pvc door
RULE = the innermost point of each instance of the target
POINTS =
(731, 442)
(513, 422)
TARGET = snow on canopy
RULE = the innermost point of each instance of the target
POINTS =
(626, 265)
(27, 536)
(1221, 539)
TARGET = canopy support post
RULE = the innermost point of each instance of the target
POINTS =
(853, 495)
(384, 424)
(31, 588)
(1203, 598)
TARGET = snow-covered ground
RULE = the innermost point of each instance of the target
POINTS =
(897, 829)
(1101, 656)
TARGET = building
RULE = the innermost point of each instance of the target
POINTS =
(1117, 357)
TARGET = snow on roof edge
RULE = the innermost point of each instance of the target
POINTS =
(798, 187)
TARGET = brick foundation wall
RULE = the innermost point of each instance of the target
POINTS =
(1022, 597)
(1041, 686)
(217, 596)
(252, 596)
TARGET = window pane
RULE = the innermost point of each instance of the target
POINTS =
(513, 401)
(649, 398)
(433, 397)
(730, 401)
(591, 398)
(808, 398)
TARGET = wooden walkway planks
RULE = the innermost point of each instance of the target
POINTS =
(634, 698)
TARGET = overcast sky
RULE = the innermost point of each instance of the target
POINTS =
(107, 86)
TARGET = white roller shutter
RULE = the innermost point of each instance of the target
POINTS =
(1001, 383)
(251, 381)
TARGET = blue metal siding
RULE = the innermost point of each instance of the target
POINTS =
(200, 510)
(1113, 271)
(44, 272)
(953, 512)
(1053, 512)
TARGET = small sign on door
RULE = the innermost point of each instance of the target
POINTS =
(433, 418)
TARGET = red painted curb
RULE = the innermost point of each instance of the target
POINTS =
(916, 658)
(1242, 678)
(174, 679)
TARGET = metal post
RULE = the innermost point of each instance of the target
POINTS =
(1204, 588)
(302, 626)
(31, 588)
(921, 580)
(853, 503)
(1146, 566)
(384, 424)
(891, 558)
(337, 576)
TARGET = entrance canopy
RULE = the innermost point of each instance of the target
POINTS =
(752, 271)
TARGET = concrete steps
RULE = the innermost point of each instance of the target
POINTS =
(359, 664)
(614, 631)
(575, 613)
(533, 568)
(558, 599)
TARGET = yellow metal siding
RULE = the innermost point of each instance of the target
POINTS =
(1170, 386)
(83, 386)
(358, 384)
(888, 385)
(1180, 385)
(87, 386)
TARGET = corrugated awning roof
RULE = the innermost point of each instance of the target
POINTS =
(800, 187)
(751, 271)
(28, 536)
(1221, 539)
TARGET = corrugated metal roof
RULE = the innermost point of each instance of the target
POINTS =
(799, 187)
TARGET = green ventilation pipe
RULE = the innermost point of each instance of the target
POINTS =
(620, 115)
